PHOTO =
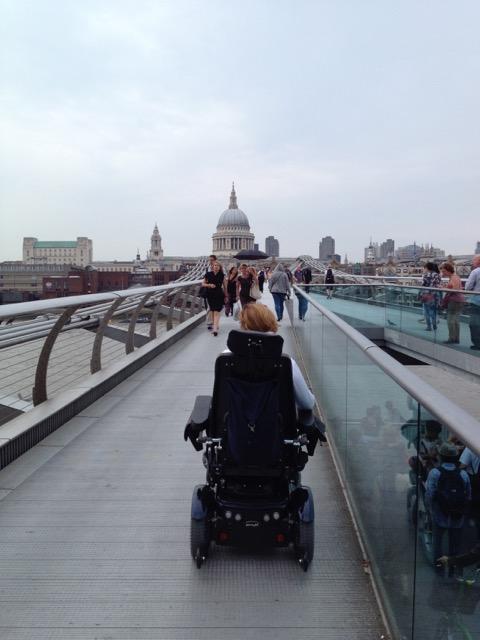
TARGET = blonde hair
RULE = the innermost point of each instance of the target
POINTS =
(258, 317)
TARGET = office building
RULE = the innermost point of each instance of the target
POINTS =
(77, 252)
(326, 248)
(272, 247)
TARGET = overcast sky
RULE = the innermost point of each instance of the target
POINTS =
(350, 118)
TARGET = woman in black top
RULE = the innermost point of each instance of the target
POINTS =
(231, 297)
(214, 283)
(329, 279)
(244, 283)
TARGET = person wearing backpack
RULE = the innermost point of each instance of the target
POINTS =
(448, 494)
(471, 463)
(307, 277)
(329, 279)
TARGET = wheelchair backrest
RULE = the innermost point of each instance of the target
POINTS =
(253, 404)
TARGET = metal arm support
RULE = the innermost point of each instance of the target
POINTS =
(129, 345)
(176, 295)
(96, 360)
(39, 392)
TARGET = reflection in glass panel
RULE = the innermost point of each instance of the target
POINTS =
(382, 431)
(386, 447)
(447, 594)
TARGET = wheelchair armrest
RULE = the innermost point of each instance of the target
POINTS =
(201, 411)
(315, 431)
(198, 421)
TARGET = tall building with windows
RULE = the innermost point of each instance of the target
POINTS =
(77, 252)
(326, 248)
(477, 248)
(233, 231)
(272, 247)
(387, 249)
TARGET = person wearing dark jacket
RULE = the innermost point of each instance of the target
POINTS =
(329, 279)
(299, 277)
(261, 279)
(214, 283)
(231, 291)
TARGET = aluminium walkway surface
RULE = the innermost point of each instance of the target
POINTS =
(94, 531)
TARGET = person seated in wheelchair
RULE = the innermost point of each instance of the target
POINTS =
(258, 317)
(255, 429)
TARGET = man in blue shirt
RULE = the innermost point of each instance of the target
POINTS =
(444, 519)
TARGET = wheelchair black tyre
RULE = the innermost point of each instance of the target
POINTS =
(305, 544)
(199, 540)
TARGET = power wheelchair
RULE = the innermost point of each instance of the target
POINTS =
(255, 447)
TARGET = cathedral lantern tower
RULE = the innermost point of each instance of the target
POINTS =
(233, 230)
(156, 251)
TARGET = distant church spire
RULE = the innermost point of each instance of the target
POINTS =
(156, 251)
(233, 198)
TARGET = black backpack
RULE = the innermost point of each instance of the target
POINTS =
(253, 422)
(451, 495)
(307, 275)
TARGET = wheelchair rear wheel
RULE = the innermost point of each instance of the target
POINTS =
(305, 535)
(305, 544)
(200, 524)
(199, 540)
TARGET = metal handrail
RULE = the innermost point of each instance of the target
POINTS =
(42, 306)
(92, 311)
(465, 426)
(388, 284)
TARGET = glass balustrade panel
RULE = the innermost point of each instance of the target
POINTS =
(382, 432)
(447, 595)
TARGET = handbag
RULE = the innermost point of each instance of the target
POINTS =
(203, 292)
(236, 311)
(255, 292)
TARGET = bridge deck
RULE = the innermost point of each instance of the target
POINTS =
(94, 531)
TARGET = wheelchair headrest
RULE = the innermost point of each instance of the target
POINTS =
(254, 343)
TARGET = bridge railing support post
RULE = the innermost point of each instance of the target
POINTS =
(39, 392)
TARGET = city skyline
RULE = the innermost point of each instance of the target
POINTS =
(326, 121)
(382, 251)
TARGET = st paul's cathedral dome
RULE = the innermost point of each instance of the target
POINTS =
(233, 230)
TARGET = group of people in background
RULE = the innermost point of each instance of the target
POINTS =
(244, 285)
(240, 285)
(449, 474)
(452, 302)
